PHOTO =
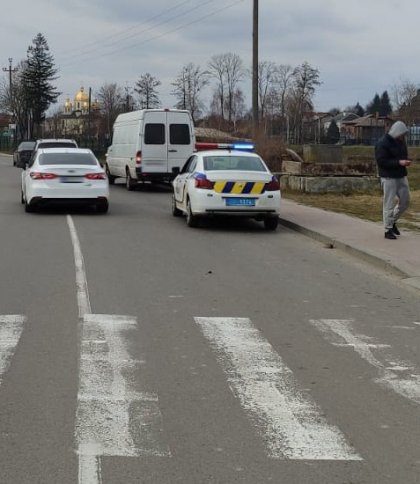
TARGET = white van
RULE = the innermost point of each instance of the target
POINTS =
(149, 145)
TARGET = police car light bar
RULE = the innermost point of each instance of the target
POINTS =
(225, 146)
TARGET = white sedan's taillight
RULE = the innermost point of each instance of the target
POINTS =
(37, 175)
(95, 176)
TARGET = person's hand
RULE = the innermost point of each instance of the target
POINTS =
(405, 162)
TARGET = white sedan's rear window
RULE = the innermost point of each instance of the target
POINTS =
(67, 159)
(242, 163)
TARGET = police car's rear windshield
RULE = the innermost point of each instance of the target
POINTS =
(243, 163)
(67, 159)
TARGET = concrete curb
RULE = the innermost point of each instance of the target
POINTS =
(360, 254)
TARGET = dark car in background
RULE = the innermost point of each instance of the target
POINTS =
(23, 152)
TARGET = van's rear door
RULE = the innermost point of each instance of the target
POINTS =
(180, 138)
(154, 150)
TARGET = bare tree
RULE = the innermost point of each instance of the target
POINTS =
(266, 78)
(111, 99)
(305, 81)
(229, 71)
(216, 68)
(187, 87)
(403, 93)
(283, 82)
(234, 74)
(146, 89)
(16, 101)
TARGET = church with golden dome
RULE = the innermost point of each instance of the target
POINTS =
(77, 118)
(81, 104)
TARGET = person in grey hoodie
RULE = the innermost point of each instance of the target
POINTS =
(392, 158)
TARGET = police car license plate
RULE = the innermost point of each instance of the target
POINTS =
(240, 202)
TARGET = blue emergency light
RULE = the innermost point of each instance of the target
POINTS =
(225, 146)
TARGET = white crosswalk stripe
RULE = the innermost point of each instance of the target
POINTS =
(11, 328)
(399, 376)
(114, 417)
(290, 424)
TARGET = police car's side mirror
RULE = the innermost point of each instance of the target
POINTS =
(175, 170)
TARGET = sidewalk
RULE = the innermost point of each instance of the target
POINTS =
(359, 237)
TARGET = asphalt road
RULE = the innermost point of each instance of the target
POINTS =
(134, 349)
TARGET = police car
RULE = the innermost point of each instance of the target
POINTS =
(226, 179)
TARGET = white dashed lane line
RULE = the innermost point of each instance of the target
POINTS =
(114, 417)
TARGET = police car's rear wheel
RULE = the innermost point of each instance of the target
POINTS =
(271, 223)
(176, 212)
(191, 218)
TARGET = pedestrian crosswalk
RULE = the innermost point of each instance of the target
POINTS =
(117, 416)
(290, 423)
(11, 328)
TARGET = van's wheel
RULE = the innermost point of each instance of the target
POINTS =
(191, 218)
(271, 223)
(111, 178)
(176, 212)
(130, 182)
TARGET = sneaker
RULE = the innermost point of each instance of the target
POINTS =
(389, 234)
(395, 230)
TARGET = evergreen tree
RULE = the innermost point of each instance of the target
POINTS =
(359, 110)
(374, 106)
(333, 133)
(146, 89)
(37, 77)
(385, 107)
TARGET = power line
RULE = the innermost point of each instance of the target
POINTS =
(126, 37)
(125, 30)
(160, 35)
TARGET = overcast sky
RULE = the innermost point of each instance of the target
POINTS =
(360, 47)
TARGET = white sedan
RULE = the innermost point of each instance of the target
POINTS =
(63, 175)
(226, 182)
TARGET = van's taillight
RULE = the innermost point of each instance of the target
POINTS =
(36, 175)
(201, 181)
(95, 176)
(138, 157)
(273, 185)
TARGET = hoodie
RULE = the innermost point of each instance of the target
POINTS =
(398, 129)
(389, 151)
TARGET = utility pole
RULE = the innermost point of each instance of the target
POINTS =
(89, 109)
(10, 70)
(255, 116)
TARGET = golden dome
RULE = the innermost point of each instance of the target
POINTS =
(81, 96)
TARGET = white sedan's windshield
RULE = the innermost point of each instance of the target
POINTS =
(246, 163)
